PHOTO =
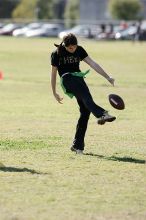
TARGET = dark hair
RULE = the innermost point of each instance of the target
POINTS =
(69, 39)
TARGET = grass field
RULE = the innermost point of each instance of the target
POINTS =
(41, 179)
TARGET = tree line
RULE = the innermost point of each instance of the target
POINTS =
(64, 9)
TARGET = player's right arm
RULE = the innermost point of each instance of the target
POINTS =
(53, 84)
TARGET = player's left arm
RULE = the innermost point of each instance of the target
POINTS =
(98, 69)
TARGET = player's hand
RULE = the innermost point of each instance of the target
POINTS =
(58, 98)
(111, 80)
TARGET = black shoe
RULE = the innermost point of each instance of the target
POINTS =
(76, 150)
(105, 118)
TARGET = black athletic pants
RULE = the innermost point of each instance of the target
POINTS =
(78, 87)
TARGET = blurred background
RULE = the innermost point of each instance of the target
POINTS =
(94, 19)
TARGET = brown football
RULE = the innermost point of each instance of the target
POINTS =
(116, 101)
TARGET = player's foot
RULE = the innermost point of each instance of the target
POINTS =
(105, 118)
(76, 150)
(79, 151)
(73, 149)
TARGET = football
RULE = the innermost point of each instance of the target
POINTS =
(116, 101)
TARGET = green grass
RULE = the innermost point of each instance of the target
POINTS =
(42, 179)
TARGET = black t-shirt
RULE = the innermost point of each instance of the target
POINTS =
(68, 62)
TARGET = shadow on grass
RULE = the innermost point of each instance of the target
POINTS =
(14, 169)
(120, 159)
